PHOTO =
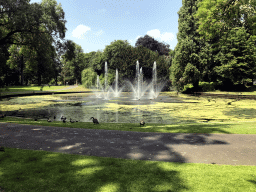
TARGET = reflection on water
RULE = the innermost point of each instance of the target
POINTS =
(81, 107)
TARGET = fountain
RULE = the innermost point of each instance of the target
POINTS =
(139, 88)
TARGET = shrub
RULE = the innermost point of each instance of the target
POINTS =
(188, 88)
(207, 86)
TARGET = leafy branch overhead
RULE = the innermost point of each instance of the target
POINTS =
(19, 19)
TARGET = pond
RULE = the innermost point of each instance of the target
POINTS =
(83, 106)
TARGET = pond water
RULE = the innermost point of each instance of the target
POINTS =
(83, 106)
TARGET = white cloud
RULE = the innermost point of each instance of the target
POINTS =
(79, 31)
(167, 37)
(155, 33)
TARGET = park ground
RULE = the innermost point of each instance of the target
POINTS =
(28, 170)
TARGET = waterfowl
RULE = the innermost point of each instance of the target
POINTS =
(49, 120)
(142, 123)
(64, 120)
(2, 149)
(54, 117)
(2, 115)
(71, 121)
(95, 121)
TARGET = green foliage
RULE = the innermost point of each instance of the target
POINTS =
(73, 62)
(238, 57)
(187, 88)
(207, 86)
(89, 78)
(187, 51)
(152, 44)
(191, 74)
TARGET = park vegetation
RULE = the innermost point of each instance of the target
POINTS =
(215, 51)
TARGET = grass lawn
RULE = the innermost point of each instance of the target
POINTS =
(12, 90)
(223, 128)
(28, 170)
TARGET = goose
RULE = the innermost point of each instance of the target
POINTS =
(64, 120)
(95, 121)
(49, 120)
(71, 121)
(142, 123)
(54, 117)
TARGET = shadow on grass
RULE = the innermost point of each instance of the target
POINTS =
(253, 182)
(191, 128)
(45, 171)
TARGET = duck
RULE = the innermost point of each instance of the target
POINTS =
(2, 149)
(95, 121)
(2, 115)
(71, 121)
(49, 120)
(142, 122)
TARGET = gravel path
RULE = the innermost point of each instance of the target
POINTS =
(230, 149)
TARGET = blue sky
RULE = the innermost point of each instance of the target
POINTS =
(93, 24)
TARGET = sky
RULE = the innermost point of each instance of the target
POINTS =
(94, 24)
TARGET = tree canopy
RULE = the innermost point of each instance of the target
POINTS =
(153, 45)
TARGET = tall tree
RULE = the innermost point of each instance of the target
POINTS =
(186, 51)
(238, 57)
(74, 61)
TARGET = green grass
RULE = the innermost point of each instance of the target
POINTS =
(12, 90)
(223, 128)
(28, 170)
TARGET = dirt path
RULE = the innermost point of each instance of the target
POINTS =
(232, 149)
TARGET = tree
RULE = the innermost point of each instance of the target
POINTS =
(152, 44)
(217, 17)
(238, 57)
(73, 61)
(188, 48)
(89, 77)
(18, 17)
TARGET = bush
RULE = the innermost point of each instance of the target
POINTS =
(188, 88)
(207, 86)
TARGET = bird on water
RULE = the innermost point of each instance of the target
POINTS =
(95, 121)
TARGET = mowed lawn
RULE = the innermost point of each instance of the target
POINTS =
(28, 170)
